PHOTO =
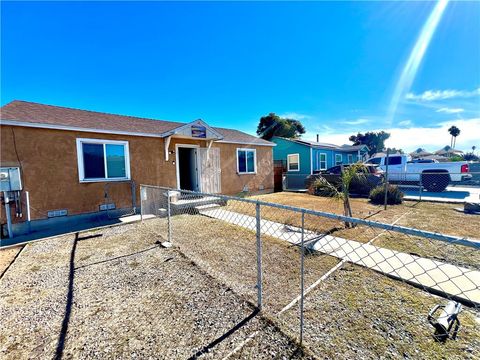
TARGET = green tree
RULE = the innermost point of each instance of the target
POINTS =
(274, 125)
(394, 151)
(454, 131)
(374, 140)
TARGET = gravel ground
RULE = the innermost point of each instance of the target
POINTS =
(116, 294)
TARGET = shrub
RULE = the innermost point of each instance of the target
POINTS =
(394, 195)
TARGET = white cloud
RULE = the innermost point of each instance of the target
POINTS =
(432, 95)
(295, 116)
(409, 139)
(405, 123)
(356, 122)
(447, 110)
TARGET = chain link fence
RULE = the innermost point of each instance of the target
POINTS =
(323, 278)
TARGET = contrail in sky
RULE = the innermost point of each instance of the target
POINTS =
(411, 66)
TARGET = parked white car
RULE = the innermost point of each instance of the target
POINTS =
(432, 176)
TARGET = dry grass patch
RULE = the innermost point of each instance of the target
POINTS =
(228, 252)
(358, 313)
(443, 218)
(435, 217)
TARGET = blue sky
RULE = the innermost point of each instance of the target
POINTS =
(333, 65)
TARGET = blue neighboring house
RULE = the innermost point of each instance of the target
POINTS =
(302, 157)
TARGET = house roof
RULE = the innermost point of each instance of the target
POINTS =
(23, 113)
(322, 145)
(448, 150)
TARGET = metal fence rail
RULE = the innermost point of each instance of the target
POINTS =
(277, 254)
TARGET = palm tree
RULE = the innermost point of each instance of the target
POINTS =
(351, 173)
(473, 149)
(454, 131)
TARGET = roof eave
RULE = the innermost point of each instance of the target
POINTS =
(13, 122)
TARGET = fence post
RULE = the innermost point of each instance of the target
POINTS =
(259, 256)
(169, 217)
(302, 284)
(386, 180)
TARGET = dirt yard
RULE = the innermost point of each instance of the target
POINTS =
(354, 313)
(118, 294)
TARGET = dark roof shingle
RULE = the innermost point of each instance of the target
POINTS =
(35, 113)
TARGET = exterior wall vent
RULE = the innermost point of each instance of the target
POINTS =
(105, 207)
(57, 213)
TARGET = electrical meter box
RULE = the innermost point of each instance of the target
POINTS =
(10, 179)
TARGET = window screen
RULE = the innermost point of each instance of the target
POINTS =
(115, 160)
(246, 161)
(93, 161)
(102, 159)
(293, 162)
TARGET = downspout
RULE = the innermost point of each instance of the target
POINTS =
(311, 161)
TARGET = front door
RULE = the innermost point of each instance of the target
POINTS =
(210, 171)
(187, 168)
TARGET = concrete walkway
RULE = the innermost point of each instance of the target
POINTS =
(454, 281)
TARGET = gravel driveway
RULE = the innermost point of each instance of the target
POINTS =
(116, 293)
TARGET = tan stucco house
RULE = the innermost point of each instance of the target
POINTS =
(67, 156)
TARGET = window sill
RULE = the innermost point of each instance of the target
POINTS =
(103, 180)
(247, 173)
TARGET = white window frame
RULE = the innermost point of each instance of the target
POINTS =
(81, 170)
(288, 162)
(341, 159)
(350, 158)
(246, 161)
(320, 155)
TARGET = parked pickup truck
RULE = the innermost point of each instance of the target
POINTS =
(432, 176)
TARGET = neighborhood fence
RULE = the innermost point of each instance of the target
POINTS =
(295, 181)
(306, 268)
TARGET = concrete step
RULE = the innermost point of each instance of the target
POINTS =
(205, 207)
